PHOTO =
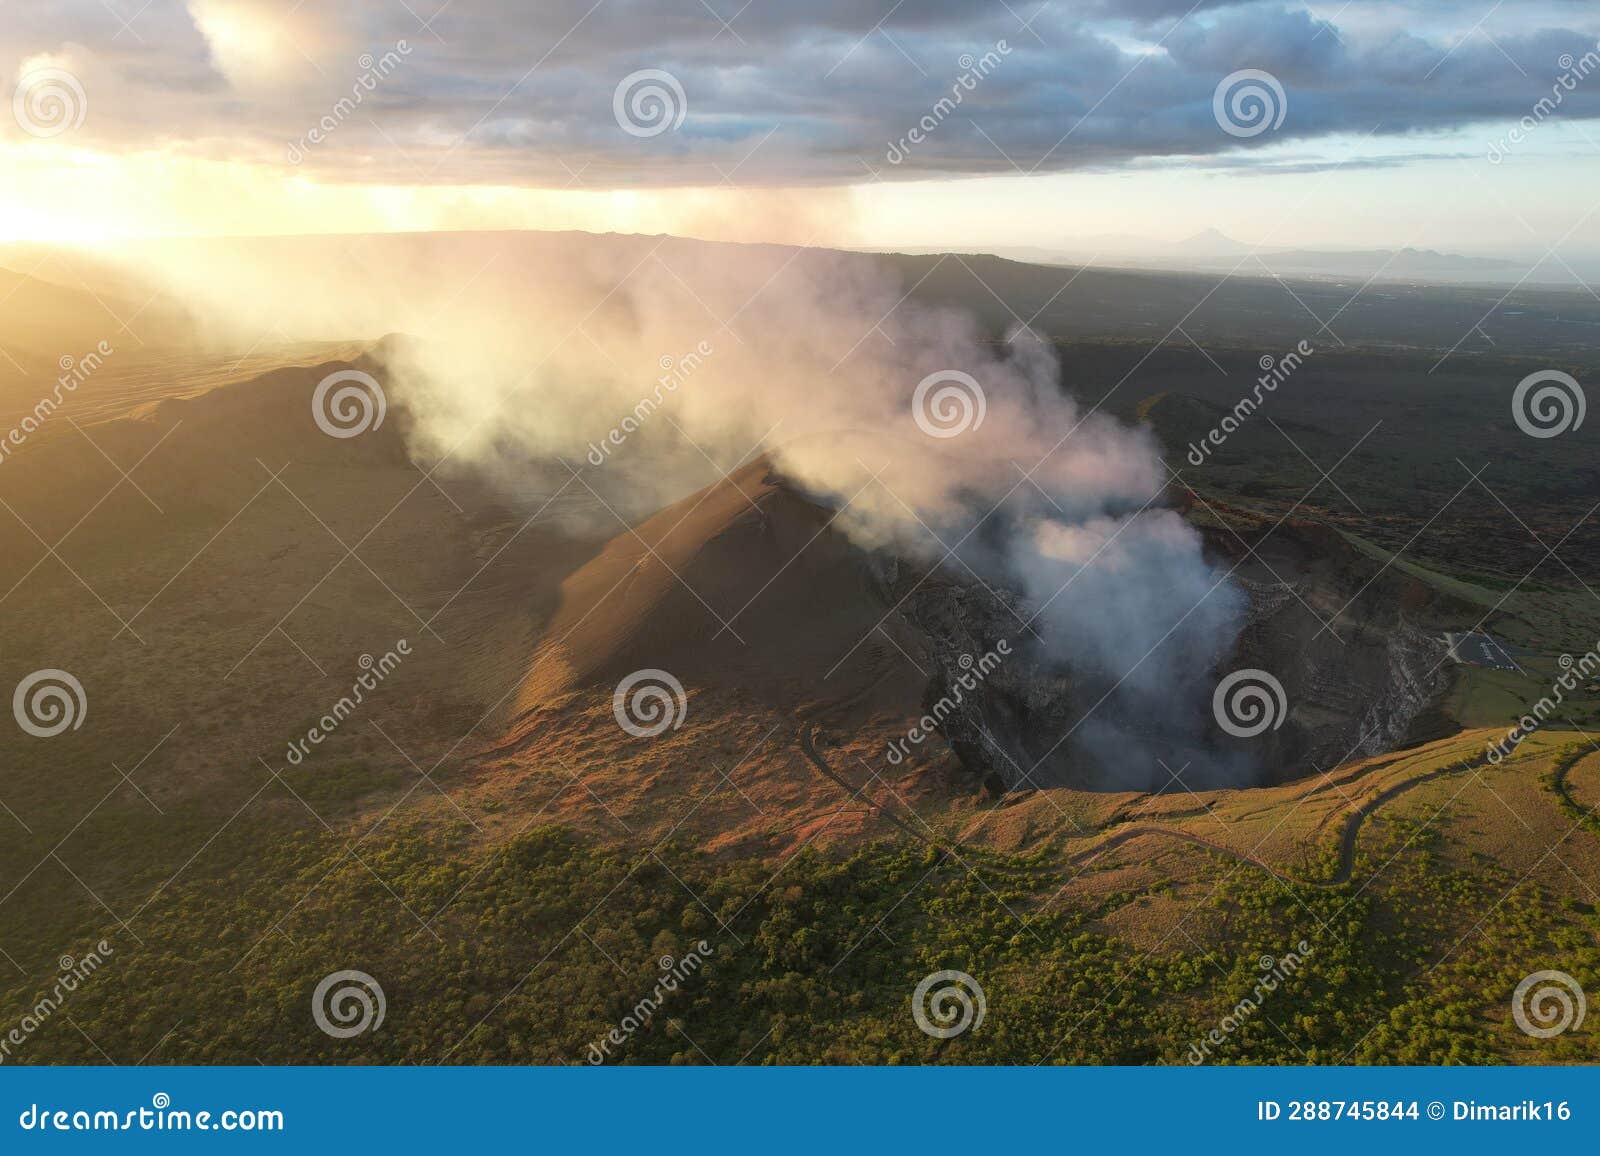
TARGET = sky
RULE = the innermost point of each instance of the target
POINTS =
(1099, 125)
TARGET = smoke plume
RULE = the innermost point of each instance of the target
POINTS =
(646, 365)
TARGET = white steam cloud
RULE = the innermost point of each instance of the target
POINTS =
(536, 353)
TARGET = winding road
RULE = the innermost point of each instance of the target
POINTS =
(1347, 841)
(1116, 837)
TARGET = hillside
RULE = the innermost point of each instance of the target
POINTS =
(483, 832)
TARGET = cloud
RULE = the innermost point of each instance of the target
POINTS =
(260, 46)
(780, 93)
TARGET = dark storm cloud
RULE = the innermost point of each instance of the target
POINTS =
(777, 92)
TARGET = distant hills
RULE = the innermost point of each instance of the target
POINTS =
(1214, 251)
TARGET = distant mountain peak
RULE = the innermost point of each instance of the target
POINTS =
(1211, 241)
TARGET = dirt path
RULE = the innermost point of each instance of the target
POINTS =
(1563, 790)
(1139, 830)
(1347, 841)
(808, 745)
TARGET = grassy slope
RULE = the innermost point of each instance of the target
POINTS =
(539, 946)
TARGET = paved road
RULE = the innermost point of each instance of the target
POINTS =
(1481, 650)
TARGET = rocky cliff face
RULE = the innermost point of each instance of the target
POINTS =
(1360, 675)
(1354, 643)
